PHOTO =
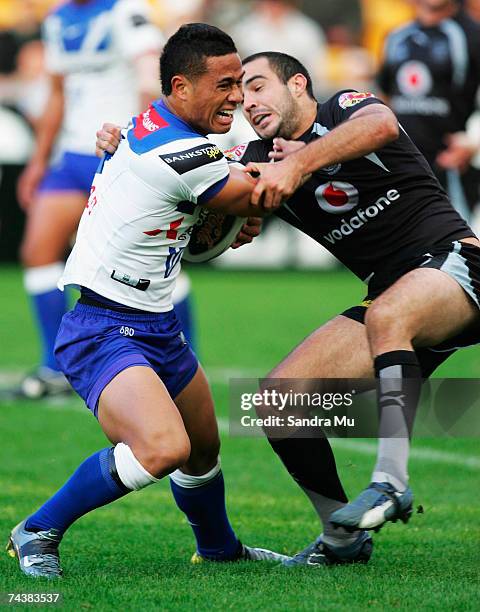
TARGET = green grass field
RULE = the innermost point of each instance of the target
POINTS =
(134, 554)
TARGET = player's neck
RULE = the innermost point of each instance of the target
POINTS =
(176, 108)
(430, 18)
(308, 115)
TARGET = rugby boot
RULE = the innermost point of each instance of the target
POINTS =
(376, 505)
(321, 554)
(37, 552)
(245, 553)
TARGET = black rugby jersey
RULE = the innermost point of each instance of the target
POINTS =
(431, 75)
(374, 212)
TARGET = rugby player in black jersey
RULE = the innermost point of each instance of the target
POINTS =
(430, 74)
(373, 201)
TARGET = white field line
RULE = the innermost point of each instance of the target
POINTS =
(370, 448)
(223, 375)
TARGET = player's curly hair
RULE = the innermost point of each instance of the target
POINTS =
(285, 67)
(185, 52)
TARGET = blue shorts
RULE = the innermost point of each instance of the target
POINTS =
(95, 344)
(71, 172)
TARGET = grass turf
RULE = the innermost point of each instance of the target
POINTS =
(134, 554)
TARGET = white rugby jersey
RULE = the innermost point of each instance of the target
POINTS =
(142, 208)
(93, 46)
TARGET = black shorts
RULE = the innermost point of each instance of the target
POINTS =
(459, 260)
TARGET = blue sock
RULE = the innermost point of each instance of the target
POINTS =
(49, 308)
(205, 509)
(91, 486)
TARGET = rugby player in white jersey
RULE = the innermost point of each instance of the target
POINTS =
(102, 57)
(121, 347)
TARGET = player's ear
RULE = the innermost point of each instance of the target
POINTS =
(180, 86)
(297, 84)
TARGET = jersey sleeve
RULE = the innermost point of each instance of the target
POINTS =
(201, 167)
(343, 104)
(135, 32)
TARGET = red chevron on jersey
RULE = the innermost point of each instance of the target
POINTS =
(148, 122)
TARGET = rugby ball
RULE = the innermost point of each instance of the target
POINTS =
(213, 233)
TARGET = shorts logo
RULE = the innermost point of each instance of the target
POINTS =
(352, 98)
(185, 161)
(414, 79)
(236, 153)
(127, 331)
(337, 197)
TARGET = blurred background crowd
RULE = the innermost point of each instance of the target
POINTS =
(340, 42)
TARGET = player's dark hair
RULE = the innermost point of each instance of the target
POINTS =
(285, 67)
(186, 51)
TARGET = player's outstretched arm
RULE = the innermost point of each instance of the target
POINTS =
(367, 130)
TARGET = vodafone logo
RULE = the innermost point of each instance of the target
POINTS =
(337, 197)
(414, 79)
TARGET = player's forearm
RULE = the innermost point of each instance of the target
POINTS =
(352, 139)
(240, 207)
(49, 124)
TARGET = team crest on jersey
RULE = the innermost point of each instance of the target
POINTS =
(148, 122)
(337, 197)
(236, 153)
(184, 161)
(414, 79)
(352, 98)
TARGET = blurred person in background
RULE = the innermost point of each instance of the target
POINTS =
(280, 25)
(430, 76)
(101, 56)
(379, 17)
(19, 42)
(347, 64)
(170, 15)
(472, 7)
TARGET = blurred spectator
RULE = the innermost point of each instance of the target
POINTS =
(431, 75)
(379, 18)
(17, 40)
(472, 7)
(347, 64)
(171, 15)
(279, 25)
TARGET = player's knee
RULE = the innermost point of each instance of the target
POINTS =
(380, 318)
(161, 455)
(203, 457)
(28, 254)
